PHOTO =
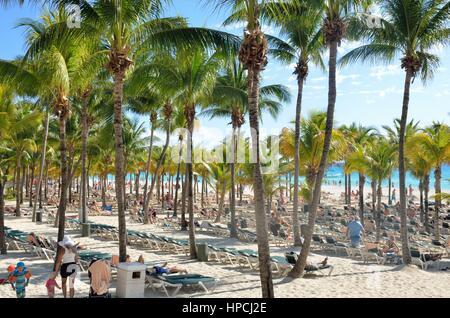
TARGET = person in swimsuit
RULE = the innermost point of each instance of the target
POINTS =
(67, 264)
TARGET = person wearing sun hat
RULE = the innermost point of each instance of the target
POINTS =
(19, 279)
(66, 264)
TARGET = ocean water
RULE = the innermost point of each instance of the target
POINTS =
(335, 173)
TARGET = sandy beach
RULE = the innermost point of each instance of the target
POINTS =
(350, 278)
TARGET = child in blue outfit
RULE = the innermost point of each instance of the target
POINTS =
(19, 279)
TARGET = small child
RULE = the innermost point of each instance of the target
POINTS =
(51, 283)
(19, 279)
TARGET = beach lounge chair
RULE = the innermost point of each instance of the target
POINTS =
(178, 281)
(280, 265)
(247, 258)
(420, 259)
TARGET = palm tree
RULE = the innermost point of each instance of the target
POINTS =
(230, 100)
(334, 31)
(147, 103)
(420, 165)
(358, 137)
(412, 36)
(435, 142)
(377, 162)
(304, 45)
(393, 133)
(253, 55)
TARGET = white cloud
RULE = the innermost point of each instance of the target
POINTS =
(381, 71)
(347, 46)
(319, 79)
(341, 77)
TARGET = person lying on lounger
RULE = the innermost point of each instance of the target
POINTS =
(314, 267)
(163, 269)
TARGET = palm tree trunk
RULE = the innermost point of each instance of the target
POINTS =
(233, 230)
(265, 271)
(64, 179)
(298, 109)
(103, 185)
(373, 184)
(349, 191)
(3, 250)
(26, 182)
(421, 200)
(390, 188)
(183, 201)
(221, 202)
(426, 188)
(18, 168)
(402, 170)
(346, 189)
(131, 183)
(147, 170)
(177, 181)
(119, 161)
(158, 166)
(378, 219)
(31, 186)
(45, 182)
(202, 203)
(437, 206)
(84, 140)
(190, 116)
(137, 183)
(362, 180)
(299, 267)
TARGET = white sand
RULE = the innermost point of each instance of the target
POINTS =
(350, 278)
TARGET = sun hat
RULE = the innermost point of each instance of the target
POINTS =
(67, 241)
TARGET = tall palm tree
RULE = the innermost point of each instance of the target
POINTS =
(300, 26)
(412, 36)
(253, 55)
(148, 103)
(230, 100)
(334, 31)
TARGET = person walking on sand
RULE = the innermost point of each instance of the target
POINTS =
(67, 265)
(410, 191)
(354, 231)
(393, 196)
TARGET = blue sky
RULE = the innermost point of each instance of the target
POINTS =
(367, 94)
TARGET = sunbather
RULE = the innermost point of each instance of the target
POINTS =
(391, 246)
(164, 269)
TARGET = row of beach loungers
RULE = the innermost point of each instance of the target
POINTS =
(242, 258)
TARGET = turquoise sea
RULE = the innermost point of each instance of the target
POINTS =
(335, 173)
